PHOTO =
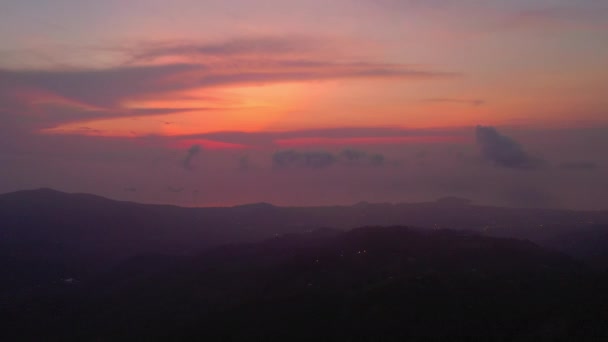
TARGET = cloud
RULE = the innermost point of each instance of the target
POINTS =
(149, 163)
(579, 165)
(323, 159)
(192, 152)
(502, 150)
(377, 159)
(244, 60)
(292, 158)
(98, 87)
(238, 47)
(354, 157)
(244, 163)
(64, 95)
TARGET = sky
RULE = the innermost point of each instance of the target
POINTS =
(215, 103)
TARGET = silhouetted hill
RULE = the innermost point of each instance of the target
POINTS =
(589, 244)
(451, 200)
(256, 206)
(158, 270)
(367, 284)
(74, 235)
(97, 227)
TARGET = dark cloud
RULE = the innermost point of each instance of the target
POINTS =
(74, 163)
(92, 94)
(192, 152)
(422, 154)
(108, 87)
(244, 163)
(292, 158)
(323, 159)
(352, 155)
(502, 150)
(377, 159)
(235, 47)
(52, 97)
(100, 87)
(579, 165)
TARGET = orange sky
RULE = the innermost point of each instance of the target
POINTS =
(307, 102)
(120, 69)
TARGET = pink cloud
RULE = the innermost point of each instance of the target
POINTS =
(207, 144)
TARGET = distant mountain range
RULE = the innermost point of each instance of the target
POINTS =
(85, 268)
(98, 228)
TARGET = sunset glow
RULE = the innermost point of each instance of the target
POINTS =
(222, 88)
(303, 170)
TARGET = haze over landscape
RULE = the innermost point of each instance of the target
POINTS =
(345, 170)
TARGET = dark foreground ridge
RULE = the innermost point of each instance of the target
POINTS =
(367, 284)
(84, 268)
